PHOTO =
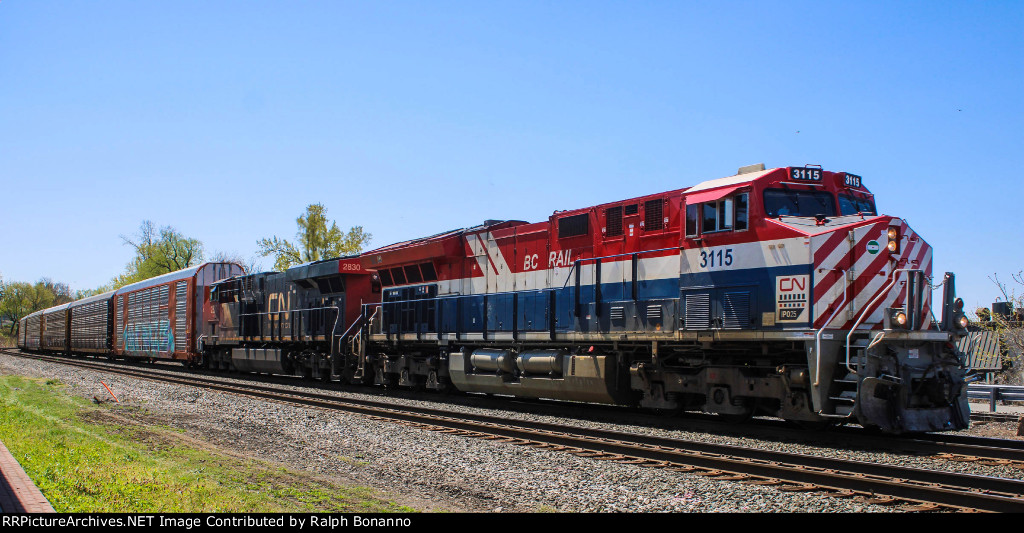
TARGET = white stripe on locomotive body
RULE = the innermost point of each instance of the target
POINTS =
(747, 255)
(744, 256)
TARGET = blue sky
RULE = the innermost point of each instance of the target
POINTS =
(225, 119)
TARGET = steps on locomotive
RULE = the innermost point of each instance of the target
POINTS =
(844, 394)
(844, 389)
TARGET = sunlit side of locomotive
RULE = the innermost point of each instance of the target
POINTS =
(777, 291)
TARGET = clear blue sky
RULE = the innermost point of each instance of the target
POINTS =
(225, 119)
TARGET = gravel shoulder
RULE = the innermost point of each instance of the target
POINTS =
(433, 471)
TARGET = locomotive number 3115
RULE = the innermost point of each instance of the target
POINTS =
(713, 258)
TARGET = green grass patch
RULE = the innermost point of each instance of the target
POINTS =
(94, 458)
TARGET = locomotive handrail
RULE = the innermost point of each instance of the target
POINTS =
(288, 311)
(568, 275)
(358, 321)
(817, 336)
(337, 317)
(378, 306)
(864, 313)
(457, 296)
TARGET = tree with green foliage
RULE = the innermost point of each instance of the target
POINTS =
(21, 298)
(315, 241)
(157, 253)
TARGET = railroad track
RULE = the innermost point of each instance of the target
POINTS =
(915, 489)
(959, 448)
(995, 417)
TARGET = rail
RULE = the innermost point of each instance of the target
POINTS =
(995, 394)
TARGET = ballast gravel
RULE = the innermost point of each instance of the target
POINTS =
(430, 470)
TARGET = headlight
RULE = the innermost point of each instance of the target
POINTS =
(897, 318)
(894, 239)
(964, 322)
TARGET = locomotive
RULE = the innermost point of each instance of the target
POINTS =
(775, 292)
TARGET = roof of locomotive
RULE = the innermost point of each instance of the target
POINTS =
(438, 245)
(487, 225)
(729, 181)
(316, 269)
(736, 180)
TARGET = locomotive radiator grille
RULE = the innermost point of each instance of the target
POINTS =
(736, 310)
(698, 311)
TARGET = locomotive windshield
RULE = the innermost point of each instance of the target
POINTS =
(849, 205)
(783, 202)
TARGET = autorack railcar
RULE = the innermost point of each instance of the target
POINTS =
(159, 318)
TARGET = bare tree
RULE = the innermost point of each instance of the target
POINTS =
(1011, 328)
(252, 265)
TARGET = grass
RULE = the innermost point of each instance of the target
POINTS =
(89, 458)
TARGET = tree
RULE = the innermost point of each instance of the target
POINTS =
(1011, 329)
(157, 253)
(20, 299)
(315, 240)
(251, 266)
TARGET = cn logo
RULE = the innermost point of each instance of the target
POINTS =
(795, 283)
(791, 298)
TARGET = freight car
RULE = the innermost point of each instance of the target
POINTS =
(773, 291)
(158, 318)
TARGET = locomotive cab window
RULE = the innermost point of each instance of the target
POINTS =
(793, 203)
(849, 205)
(691, 219)
(729, 214)
(717, 216)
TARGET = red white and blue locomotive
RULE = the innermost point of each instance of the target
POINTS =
(774, 291)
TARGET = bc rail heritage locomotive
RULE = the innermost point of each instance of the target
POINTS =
(771, 292)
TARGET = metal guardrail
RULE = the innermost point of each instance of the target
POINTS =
(995, 394)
